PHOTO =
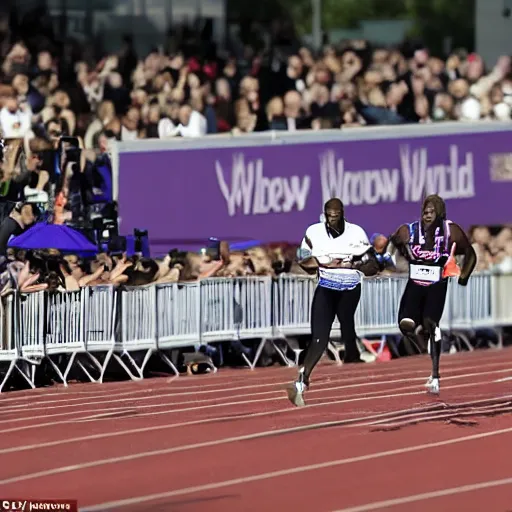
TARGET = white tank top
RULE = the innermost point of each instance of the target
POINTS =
(353, 242)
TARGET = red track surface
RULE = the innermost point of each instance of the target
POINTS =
(369, 439)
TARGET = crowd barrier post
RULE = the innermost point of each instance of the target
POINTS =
(101, 308)
(178, 318)
(64, 331)
(501, 286)
(29, 323)
(253, 315)
(137, 332)
(9, 352)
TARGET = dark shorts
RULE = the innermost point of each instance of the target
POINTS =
(423, 302)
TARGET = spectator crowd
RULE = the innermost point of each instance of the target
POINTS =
(61, 107)
(161, 96)
(191, 90)
(30, 271)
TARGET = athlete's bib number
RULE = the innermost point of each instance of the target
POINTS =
(426, 273)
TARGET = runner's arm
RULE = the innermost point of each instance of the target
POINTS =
(463, 248)
(400, 241)
(308, 263)
(367, 262)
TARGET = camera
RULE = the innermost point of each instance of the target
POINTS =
(213, 249)
(105, 233)
(69, 149)
(138, 243)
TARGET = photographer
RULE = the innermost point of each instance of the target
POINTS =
(34, 175)
(98, 173)
(19, 220)
(71, 187)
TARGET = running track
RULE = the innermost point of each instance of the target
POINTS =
(370, 439)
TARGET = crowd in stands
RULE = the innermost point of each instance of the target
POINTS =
(493, 248)
(192, 90)
(49, 91)
(30, 271)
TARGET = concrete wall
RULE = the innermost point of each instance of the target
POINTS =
(493, 29)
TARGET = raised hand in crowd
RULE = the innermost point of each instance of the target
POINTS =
(28, 282)
(117, 276)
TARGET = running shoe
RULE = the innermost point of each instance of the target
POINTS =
(432, 386)
(297, 389)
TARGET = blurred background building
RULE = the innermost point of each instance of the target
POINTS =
(487, 22)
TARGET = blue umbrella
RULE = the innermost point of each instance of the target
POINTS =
(243, 246)
(54, 236)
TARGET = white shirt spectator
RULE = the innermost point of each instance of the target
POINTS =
(128, 134)
(196, 127)
(502, 111)
(166, 128)
(470, 110)
(15, 124)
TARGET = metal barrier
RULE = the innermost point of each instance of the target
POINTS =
(101, 325)
(9, 351)
(236, 309)
(378, 309)
(501, 300)
(178, 315)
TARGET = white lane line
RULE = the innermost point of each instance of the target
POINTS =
(194, 390)
(379, 505)
(157, 383)
(186, 424)
(505, 379)
(107, 389)
(223, 390)
(335, 388)
(355, 422)
(181, 448)
(338, 377)
(96, 417)
(114, 505)
(280, 397)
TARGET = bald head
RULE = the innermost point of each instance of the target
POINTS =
(292, 104)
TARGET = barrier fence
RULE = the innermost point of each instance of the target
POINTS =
(91, 328)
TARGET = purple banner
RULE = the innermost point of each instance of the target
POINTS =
(272, 193)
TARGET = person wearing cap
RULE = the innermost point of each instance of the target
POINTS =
(340, 253)
(430, 245)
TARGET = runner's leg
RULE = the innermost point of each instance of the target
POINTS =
(346, 311)
(433, 312)
(410, 312)
(323, 311)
